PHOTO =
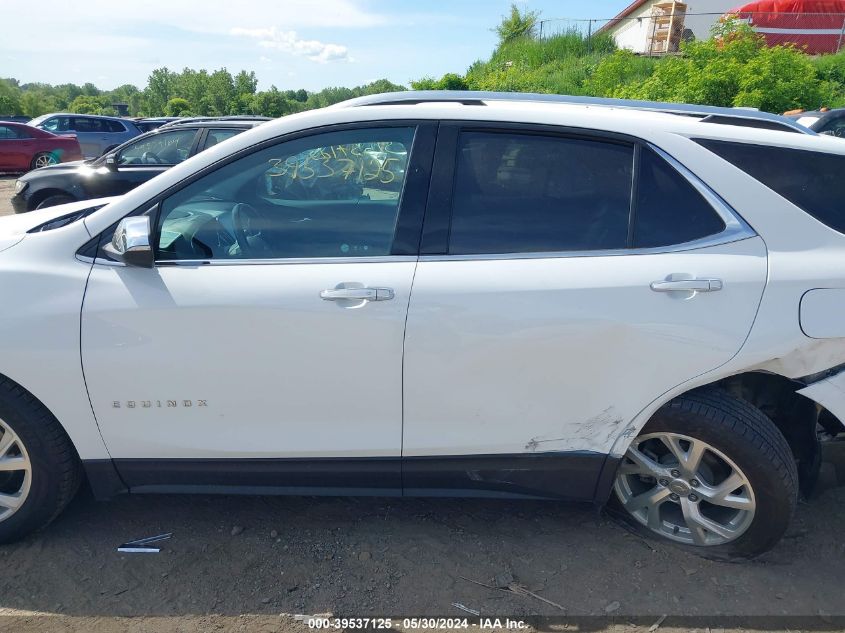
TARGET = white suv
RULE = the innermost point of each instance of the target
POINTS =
(443, 294)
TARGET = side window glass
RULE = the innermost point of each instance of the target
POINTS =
(335, 194)
(7, 133)
(810, 180)
(113, 126)
(84, 124)
(521, 193)
(669, 210)
(167, 148)
(56, 124)
(218, 136)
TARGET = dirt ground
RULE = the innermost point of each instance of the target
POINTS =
(7, 188)
(249, 563)
(237, 563)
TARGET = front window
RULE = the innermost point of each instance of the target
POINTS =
(56, 124)
(335, 194)
(167, 148)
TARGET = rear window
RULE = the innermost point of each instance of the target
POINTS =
(813, 181)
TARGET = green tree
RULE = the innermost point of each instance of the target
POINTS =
(10, 102)
(177, 106)
(160, 88)
(85, 104)
(516, 25)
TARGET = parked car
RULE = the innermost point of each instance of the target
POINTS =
(831, 122)
(96, 134)
(228, 117)
(122, 169)
(23, 147)
(562, 300)
(151, 123)
(14, 118)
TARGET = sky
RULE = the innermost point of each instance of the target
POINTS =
(291, 44)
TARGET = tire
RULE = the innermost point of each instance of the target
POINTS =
(42, 159)
(743, 452)
(55, 200)
(48, 469)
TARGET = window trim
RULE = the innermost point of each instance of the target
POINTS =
(438, 215)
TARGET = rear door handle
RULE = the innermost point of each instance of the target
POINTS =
(687, 285)
(357, 294)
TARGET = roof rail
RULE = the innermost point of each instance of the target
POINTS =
(202, 119)
(710, 114)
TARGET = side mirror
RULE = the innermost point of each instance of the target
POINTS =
(131, 242)
(111, 162)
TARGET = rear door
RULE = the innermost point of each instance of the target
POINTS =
(566, 282)
(16, 150)
(90, 134)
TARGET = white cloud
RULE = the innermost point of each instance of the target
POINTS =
(290, 42)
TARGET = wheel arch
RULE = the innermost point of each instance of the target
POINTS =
(794, 414)
(43, 194)
(101, 474)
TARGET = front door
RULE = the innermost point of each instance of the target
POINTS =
(562, 305)
(140, 160)
(271, 329)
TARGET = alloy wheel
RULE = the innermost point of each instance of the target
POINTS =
(685, 489)
(15, 472)
(42, 160)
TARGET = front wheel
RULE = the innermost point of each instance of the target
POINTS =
(54, 201)
(711, 472)
(39, 468)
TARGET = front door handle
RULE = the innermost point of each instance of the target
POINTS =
(687, 285)
(357, 294)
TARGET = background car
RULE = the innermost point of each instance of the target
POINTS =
(129, 165)
(830, 122)
(23, 147)
(96, 134)
(151, 123)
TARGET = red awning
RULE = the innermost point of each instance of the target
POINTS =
(813, 25)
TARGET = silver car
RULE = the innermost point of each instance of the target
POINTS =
(96, 134)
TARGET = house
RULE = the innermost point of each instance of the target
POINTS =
(658, 26)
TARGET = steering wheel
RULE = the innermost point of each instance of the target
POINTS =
(245, 222)
(150, 158)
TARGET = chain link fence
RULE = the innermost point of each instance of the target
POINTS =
(662, 33)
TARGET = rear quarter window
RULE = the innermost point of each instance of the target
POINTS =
(813, 181)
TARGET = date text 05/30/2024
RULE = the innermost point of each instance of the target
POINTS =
(481, 623)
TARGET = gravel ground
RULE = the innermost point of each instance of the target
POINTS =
(7, 188)
(237, 563)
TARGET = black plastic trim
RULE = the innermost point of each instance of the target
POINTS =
(573, 475)
(104, 479)
(406, 237)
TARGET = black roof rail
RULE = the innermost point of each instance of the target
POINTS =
(708, 114)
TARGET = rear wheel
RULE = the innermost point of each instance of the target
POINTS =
(710, 472)
(52, 201)
(39, 469)
(42, 159)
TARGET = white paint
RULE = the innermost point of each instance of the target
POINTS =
(821, 313)
(501, 355)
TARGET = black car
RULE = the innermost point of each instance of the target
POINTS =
(831, 122)
(129, 165)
